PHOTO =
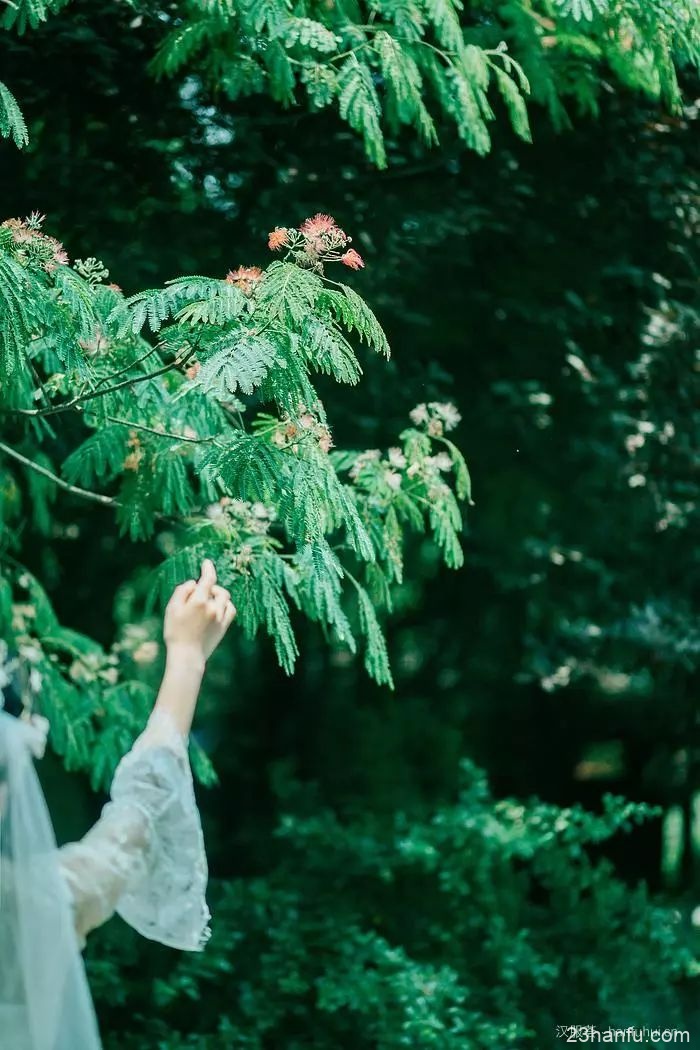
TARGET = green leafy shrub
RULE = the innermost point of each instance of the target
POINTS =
(483, 924)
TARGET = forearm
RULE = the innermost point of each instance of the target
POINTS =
(103, 864)
(182, 680)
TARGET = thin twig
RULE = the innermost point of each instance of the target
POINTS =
(96, 497)
(67, 405)
(131, 364)
(159, 433)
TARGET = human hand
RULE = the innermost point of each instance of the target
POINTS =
(197, 616)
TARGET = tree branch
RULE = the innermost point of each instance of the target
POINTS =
(160, 433)
(132, 364)
(81, 398)
(96, 497)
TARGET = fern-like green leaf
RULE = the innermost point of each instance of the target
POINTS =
(582, 9)
(355, 315)
(463, 481)
(45, 619)
(404, 84)
(406, 15)
(321, 83)
(20, 298)
(320, 589)
(467, 107)
(21, 15)
(183, 44)
(280, 73)
(261, 15)
(376, 656)
(446, 521)
(268, 575)
(288, 293)
(515, 104)
(249, 469)
(329, 352)
(359, 105)
(189, 300)
(364, 321)
(307, 33)
(171, 484)
(12, 124)
(79, 297)
(237, 361)
(99, 458)
(444, 16)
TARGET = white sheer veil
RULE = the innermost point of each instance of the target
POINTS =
(45, 1002)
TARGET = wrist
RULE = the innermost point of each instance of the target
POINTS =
(185, 656)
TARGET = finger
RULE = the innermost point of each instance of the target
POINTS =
(229, 615)
(183, 591)
(188, 589)
(218, 592)
(206, 580)
(219, 602)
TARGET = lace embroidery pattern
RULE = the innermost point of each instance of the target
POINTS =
(145, 857)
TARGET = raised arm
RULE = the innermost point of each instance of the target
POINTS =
(145, 857)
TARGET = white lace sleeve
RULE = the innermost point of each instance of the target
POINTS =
(145, 858)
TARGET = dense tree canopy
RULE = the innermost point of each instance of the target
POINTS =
(391, 63)
(370, 888)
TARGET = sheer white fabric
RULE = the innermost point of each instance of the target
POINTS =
(145, 857)
(45, 1003)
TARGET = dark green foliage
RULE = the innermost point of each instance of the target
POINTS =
(483, 924)
(11, 120)
(388, 64)
(166, 439)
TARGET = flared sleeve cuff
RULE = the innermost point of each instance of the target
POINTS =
(167, 902)
(145, 856)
